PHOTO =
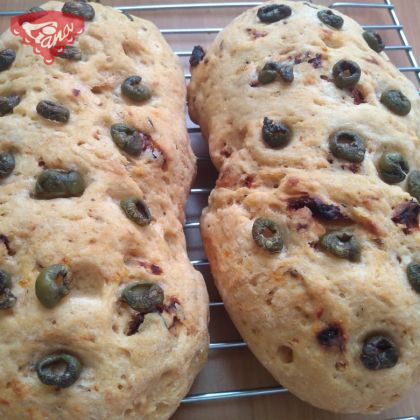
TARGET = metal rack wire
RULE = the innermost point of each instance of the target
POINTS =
(385, 7)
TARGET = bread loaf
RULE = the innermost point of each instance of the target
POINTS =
(311, 232)
(102, 316)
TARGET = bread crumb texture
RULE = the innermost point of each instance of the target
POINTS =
(310, 234)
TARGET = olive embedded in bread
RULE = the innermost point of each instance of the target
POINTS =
(50, 370)
(7, 164)
(143, 297)
(53, 111)
(127, 139)
(379, 352)
(374, 41)
(346, 73)
(330, 18)
(7, 298)
(136, 210)
(267, 235)
(273, 13)
(348, 146)
(342, 244)
(79, 8)
(413, 184)
(393, 167)
(134, 89)
(272, 69)
(396, 102)
(59, 183)
(52, 284)
(70, 52)
(8, 103)
(413, 274)
(7, 57)
(275, 134)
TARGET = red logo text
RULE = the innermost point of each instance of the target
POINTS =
(47, 32)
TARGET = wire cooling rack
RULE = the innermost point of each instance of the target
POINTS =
(182, 38)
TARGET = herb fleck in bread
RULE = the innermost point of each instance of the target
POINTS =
(311, 232)
(88, 209)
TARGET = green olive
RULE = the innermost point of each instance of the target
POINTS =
(7, 57)
(346, 74)
(413, 274)
(347, 146)
(268, 73)
(35, 9)
(267, 235)
(127, 15)
(136, 210)
(52, 111)
(286, 72)
(396, 102)
(374, 41)
(7, 164)
(413, 184)
(59, 183)
(379, 352)
(5, 281)
(143, 297)
(330, 18)
(273, 13)
(275, 134)
(342, 245)
(7, 298)
(133, 89)
(58, 369)
(7, 103)
(79, 8)
(271, 69)
(70, 52)
(392, 167)
(127, 138)
(52, 284)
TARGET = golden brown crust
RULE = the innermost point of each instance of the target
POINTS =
(146, 374)
(281, 302)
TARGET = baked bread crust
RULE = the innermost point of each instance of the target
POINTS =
(144, 374)
(304, 312)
